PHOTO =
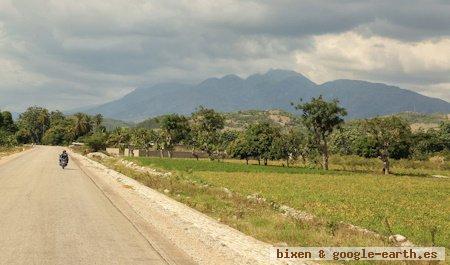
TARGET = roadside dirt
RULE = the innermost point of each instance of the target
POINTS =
(204, 239)
(6, 157)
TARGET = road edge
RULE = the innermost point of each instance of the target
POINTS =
(167, 251)
(14, 156)
(218, 243)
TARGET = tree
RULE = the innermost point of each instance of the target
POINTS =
(431, 141)
(7, 139)
(142, 138)
(83, 125)
(57, 135)
(97, 119)
(60, 131)
(425, 143)
(389, 137)
(444, 134)
(23, 136)
(34, 122)
(259, 138)
(7, 123)
(240, 148)
(287, 146)
(175, 129)
(226, 138)
(97, 141)
(119, 138)
(158, 141)
(205, 130)
(321, 118)
(57, 118)
(7, 130)
(345, 140)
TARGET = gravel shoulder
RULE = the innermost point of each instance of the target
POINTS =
(204, 239)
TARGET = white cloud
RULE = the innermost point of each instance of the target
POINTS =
(351, 55)
(441, 90)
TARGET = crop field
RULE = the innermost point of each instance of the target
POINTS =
(228, 166)
(415, 206)
(340, 165)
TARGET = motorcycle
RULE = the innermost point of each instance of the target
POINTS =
(63, 162)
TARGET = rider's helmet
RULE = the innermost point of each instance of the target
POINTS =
(64, 151)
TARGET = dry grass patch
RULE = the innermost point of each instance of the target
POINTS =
(408, 203)
(259, 220)
(6, 151)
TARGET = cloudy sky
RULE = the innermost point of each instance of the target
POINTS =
(65, 54)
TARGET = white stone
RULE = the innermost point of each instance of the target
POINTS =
(397, 238)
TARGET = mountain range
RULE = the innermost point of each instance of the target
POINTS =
(275, 89)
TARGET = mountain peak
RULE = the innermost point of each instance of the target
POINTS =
(281, 74)
(278, 75)
(231, 77)
(274, 89)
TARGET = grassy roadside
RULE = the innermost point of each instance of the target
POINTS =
(201, 190)
(259, 220)
(413, 206)
(6, 151)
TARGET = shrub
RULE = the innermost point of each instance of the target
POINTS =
(96, 141)
(7, 139)
(56, 136)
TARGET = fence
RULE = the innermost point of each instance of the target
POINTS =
(154, 153)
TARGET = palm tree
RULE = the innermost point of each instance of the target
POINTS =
(82, 125)
(119, 138)
(97, 119)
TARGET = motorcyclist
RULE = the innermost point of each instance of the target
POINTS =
(64, 157)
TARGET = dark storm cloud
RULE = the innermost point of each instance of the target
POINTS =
(402, 19)
(86, 49)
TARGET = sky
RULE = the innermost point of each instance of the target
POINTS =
(65, 54)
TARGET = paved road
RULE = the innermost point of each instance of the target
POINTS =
(54, 216)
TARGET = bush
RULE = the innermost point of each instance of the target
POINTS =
(7, 139)
(23, 136)
(96, 141)
(56, 136)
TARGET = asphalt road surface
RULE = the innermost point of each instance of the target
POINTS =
(54, 216)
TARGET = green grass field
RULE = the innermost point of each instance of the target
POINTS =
(412, 205)
(191, 165)
(340, 165)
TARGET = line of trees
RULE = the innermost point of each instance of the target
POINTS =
(390, 137)
(202, 131)
(321, 130)
(40, 126)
